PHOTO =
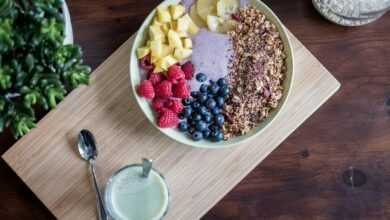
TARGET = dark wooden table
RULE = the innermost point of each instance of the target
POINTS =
(309, 175)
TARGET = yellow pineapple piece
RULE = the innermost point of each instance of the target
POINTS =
(167, 50)
(187, 43)
(156, 49)
(192, 27)
(183, 24)
(176, 11)
(163, 14)
(213, 22)
(167, 61)
(142, 51)
(174, 39)
(182, 53)
(155, 33)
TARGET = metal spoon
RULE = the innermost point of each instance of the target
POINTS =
(88, 151)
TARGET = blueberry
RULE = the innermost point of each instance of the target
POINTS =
(181, 115)
(195, 105)
(206, 133)
(202, 97)
(183, 126)
(203, 110)
(194, 94)
(209, 95)
(216, 136)
(201, 126)
(213, 88)
(219, 119)
(187, 111)
(211, 103)
(207, 118)
(203, 88)
(191, 130)
(211, 82)
(214, 128)
(197, 136)
(186, 101)
(220, 101)
(224, 91)
(196, 117)
(222, 82)
(215, 111)
(201, 77)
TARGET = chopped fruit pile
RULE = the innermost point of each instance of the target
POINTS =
(166, 92)
(217, 15)
(169, 38)
(202, 114)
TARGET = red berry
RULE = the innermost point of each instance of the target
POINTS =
(168, 119)
(188, 69)
(236, 17)
(145, 89)
(164, 89)
(158, 103)
(146, 63)
(175, 74)
(175, 105)
(181, 90)
(155, 77)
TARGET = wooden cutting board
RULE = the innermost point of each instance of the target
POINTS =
(46, 159)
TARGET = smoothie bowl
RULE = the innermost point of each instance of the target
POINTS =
(211, 73)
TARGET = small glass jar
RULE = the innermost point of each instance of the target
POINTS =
(352, 12)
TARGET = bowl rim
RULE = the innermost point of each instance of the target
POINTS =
(247, 137)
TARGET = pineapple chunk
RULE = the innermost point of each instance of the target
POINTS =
(213, 22)
(225, 8)
(142, 51)
(187, 43)
(182, 34)
(148, 43)
(155, 33)
(195, 17)
(174, 39)
(192, 28)
(163, 14)
(173, 25)
(165, 28)
(166, 50)
(156, 49)
(176, 11)
(158, 69)
(155, 22)
(182, 53)
(183, 24)
(167, 61)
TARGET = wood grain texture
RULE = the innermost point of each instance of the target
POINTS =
(302, 178)
(46, 159)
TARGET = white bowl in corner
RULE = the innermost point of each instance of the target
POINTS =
(68, 24)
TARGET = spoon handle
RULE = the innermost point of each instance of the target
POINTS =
(102, 215)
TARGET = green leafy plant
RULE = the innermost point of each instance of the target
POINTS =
(36, 68)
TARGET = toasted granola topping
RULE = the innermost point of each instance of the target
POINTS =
(257, 70)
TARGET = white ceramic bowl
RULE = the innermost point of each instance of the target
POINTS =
(68, 24)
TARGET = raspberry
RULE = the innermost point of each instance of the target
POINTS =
(181, 90)
(155, 77)
(168, 119)
(175, 74)
(146, 63)
(158, 103)
(175, 105)
(164, 89)
(145, 89)
(188, 69)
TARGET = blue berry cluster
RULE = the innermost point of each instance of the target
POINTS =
(202, 117)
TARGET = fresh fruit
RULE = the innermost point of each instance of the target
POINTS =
(224, 91)
(213, 22)
(176, 11)
(142, 51)
(146, 63)
(182, 53)
(168, 119)
(155, 78)
(174, 39)
(216, 136)
(166, 62)
(186, 101)
(156, 33)
(156, 49)
(146, 90)
(166, 50)
(188, 69)
(192, 27)
(214, 88)
(195, 17)
(187, 111)
(201, 126)
(206, 7)
(163, 14)
(181, 90)
(207, 118)
(164, 89)
(195, 105)
(183, 126)
(203, 88)
(183, 24)
(158, 103)
(220, 101)
(196, 117)
(201, 77)
(225, 8)
(216, 111)
(210, 103)
(175, 74)
(219, 119)
(175, 105)
(206, 133)
(187, 43)
(202, 97)
(197, 136)
(222, 82)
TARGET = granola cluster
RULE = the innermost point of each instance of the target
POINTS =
(257, 70)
